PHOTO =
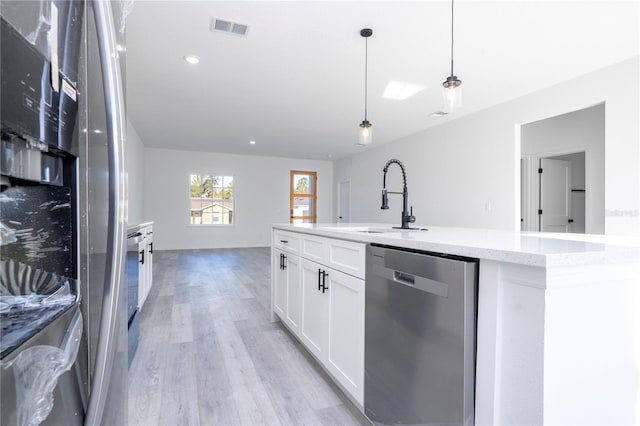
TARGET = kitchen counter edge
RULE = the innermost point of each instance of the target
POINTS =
(486, 244)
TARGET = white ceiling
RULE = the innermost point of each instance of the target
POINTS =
(295, 84)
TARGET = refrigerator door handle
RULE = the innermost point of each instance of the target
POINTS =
(114, 103)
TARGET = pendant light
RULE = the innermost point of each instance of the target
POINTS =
(365, 126)
(451, 86)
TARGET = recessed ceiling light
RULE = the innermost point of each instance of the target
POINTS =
(98, 131)
(438, 114)
(120, 48)
(192, 59)
(401, 90)
(252, 142)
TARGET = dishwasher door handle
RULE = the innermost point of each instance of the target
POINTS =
(421, 283)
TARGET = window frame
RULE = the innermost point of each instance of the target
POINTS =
(314, 196)
(190, 215)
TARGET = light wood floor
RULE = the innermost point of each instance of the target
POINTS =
(208, 354)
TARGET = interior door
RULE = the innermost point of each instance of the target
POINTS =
(344, 202)
(555, 195)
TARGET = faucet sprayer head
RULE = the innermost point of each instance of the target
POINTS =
(385, 201)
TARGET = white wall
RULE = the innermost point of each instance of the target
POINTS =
(261, 189)
(466, 172)
(134, 172)
(582, 130)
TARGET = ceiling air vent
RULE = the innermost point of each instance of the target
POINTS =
(220, 25)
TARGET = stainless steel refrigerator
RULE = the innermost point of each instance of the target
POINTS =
(63, 301)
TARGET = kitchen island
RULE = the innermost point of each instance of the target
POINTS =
(558, 327)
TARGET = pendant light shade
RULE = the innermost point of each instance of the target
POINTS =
(452, 92)
(365, 126)
(365, 133)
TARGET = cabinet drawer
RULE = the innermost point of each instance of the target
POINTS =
(345, 256)
(314, 248)
(288, 241)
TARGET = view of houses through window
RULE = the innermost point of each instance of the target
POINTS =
(211, 199)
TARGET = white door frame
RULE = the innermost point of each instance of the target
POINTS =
(532, 187)
(339, 192)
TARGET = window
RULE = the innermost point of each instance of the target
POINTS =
(303, 190)
(211, 198)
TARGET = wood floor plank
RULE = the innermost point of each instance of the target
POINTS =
(179, 390)
(181, 328)
(146, 374)
(219, 409)
(254, 405)
(336, 415)
(290, 407)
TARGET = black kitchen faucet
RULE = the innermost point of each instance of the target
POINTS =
(407, 217)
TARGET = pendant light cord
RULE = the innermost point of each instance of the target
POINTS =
(366, 61)
(452, 37)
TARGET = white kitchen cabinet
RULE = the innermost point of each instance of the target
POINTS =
(345, 256)
(294, 302)
(288, 241)
(279, 283)
(142, 270)
(315, 305)
(286, 267)
(319, 295)
(145, 249)
(286, 279)
(345, 349)
(332, 324)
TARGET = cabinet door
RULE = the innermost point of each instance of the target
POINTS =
(279, 284)
(149, 265)
(315, 304)
(142, 273)
(294, 308)
(345, 349)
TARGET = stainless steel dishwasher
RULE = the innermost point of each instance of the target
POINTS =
(420, 337)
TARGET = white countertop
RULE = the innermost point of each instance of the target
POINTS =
(542, 250)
